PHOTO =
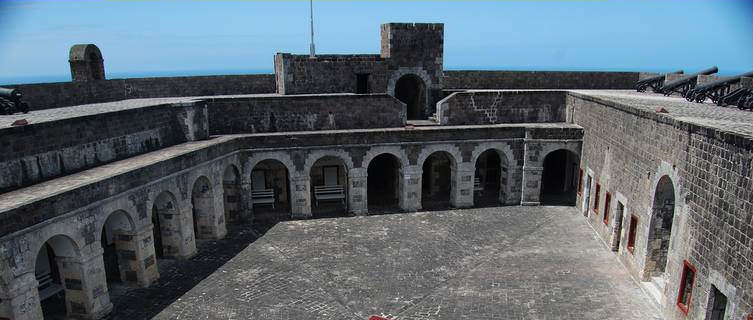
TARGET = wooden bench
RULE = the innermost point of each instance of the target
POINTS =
(264, 196)
(477, 187)
(47, 288)
(324, 193)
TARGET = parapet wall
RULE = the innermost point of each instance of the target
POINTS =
(277, 113)
(62, 94)
(42, 151)
(471, 79)
(300, 74)
(492, 107)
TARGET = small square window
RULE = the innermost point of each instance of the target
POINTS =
(686, 286)
(631, 233)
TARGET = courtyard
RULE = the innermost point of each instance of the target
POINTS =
(490, 263)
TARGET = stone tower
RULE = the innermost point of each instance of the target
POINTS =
(86, 63)
(414, 52)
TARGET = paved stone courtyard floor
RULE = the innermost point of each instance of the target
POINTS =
(490, 263)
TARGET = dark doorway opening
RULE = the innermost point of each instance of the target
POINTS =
(617, 232)
(558, 180)
(329, 184)
(410, 90)
(436, 181)
(383, 184)
(717, 304)
(362, 83)
(270, 191)
(491, 179)
(663, 212)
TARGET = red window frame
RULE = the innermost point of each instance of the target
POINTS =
(607, 201)
(580, 182)
(686, 266)
(631, 233)
(596, 198)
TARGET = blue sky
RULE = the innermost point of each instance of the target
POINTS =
(184, 37)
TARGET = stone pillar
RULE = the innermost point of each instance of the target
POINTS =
(177, 233)
(514, 186)
(204, 212)
(85, 284)
(410, 188)
(462, 189)
(531, 186)
(300, 196)
(136, 258)
(246, 205)
(19, 300)
(357, 191)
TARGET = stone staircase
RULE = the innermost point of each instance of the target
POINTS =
(655, 288)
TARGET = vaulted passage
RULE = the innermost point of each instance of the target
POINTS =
(437, 181)
(490, 182)
(410, 90)
(270, 191)
(329, 183)
(559, 178)
(663, 213)
(383, 183)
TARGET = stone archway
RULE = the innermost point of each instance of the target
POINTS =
(270, 191)
(438, 180)
(116, 237)
(202, 200)
(660, 232)
(558, 181)
(166, 226)
(491, 179)
(329, 184)
(411, 90)
(52, 270)
(383, 183)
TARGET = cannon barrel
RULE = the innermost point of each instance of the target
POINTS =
(670, 86)
(722, 82)
(654, 82)
(10, 93)
(661, 76)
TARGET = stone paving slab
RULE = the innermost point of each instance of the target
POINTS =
(491, 263)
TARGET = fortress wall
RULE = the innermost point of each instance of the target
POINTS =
(61, 94)
(492, 107)
(629, 151)
(470, 79)
(304, 113)
(299, 74)
(41, 151)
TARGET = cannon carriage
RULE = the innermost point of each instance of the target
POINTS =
(10, 101)
(686, 83)
(654, 82)
(716, 90)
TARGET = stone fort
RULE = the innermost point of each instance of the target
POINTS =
(111, 177)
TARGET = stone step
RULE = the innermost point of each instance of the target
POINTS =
(655, 288)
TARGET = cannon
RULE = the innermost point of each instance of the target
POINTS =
(654, 82)
(684, 84)
(745, 102)
(714, 89)
(734, 96)
(10, 101)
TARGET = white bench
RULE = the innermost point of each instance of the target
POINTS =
(477, 187)
(47, 288)
(264, 196)
(334, 192)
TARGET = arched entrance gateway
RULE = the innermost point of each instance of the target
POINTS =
(329, 183)
(270, 192)
(383, 183)
(490, 183)
(437, 181)
(559, 178)
(662, 215)
(50, 270)
(410, 89)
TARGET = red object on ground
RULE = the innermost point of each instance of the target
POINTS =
(661, 110)
(20, 122)
(377, 318)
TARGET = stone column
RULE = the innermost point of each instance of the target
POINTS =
(136, 257)
(357, 192)
(300, 196)
(220, 223)
(514, 186)
(203, 211)
(462, 194)
(85, 284)
(19, 300)
(410, 188)
(177, 232)
(246, 206)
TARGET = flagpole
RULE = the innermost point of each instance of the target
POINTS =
(311, 11)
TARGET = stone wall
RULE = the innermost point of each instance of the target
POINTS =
(44, 150)
(304, 113)
(469, 79)
(300, 74)
(627, 151)
(492, 107)
(61, 94)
